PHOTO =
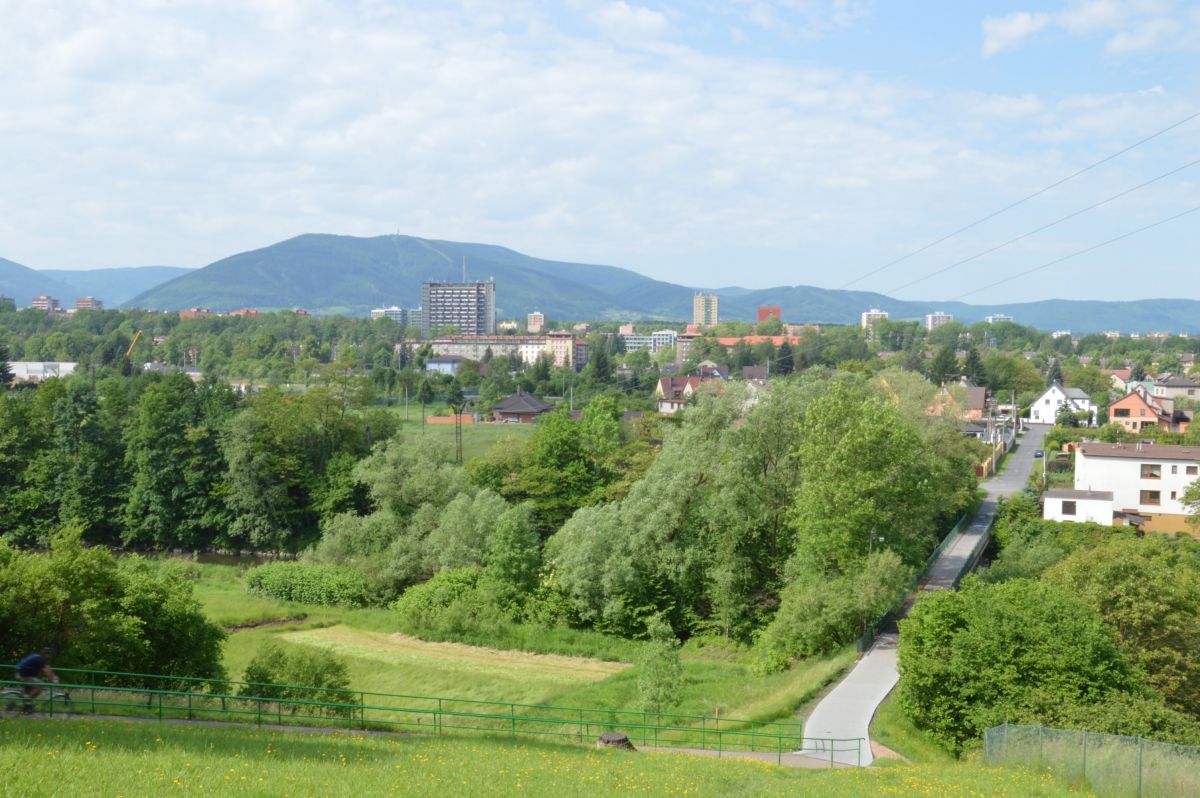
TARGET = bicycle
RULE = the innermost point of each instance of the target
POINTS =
(13, 700)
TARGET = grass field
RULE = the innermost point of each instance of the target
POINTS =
(114, 758)
(477, 438)
(516, 667)
(891, 728)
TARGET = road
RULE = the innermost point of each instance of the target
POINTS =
(846, 712)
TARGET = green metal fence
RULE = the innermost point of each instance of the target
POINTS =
(1111, 765)
(183, 698)
(872, 631)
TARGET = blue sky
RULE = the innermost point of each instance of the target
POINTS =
(748, 142)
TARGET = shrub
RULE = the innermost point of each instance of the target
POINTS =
(298, 674)
(309, 583)
(438, 593)
(660, 671)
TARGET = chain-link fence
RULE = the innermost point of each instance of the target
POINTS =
(1111, 765)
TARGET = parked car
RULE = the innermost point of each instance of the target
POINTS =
(1038, 453)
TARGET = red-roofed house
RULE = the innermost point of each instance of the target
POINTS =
(672, 393)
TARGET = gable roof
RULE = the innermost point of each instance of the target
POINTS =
(1177, 382)
(1140, 451)
(521, 403)
(1077, 393)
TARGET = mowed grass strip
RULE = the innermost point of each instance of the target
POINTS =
(477, 438)
(115, 758)
(397, 663)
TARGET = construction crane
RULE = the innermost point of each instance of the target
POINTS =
(132, 344)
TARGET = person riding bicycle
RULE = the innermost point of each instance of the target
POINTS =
(32, 670)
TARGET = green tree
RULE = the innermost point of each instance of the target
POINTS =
(784, 359)
(514, 557)
(424, 396)
(660, 670)
(305, 674)
(6, 375)
(944, 366)
(973, 367)
(1147, 589)
(1054, 374)
(1018, 652)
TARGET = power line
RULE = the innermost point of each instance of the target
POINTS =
(1076, 254)
(1023, 200)
(1044, 227)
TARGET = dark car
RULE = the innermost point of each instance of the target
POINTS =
(1038, 453)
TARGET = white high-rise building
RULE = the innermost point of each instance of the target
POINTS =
(869, 318)
(937, 319)
(469, 307)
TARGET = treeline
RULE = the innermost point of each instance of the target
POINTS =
(1075, 625)
(165, 462)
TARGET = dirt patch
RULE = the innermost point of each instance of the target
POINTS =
(881, 751)
(237, 627)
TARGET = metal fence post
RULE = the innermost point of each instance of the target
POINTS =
(1085, 754)
(779, 747)
(438, 719)
(581, 726)
(1141, 749)
(362, 700)
(512, 716)
(160, 714)
(1039, 759)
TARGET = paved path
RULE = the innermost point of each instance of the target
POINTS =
(847, 710)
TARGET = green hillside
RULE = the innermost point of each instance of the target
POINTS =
(94, 757)
(22, 284)
(116, 285)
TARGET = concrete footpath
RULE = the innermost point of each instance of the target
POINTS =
(846, 712)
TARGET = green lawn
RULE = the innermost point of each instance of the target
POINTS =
(891, 728)
(717, 678)
(477, 438)
(114, 758)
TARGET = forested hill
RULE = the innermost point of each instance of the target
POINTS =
(115, 285)
(345, 274)
(22, 283)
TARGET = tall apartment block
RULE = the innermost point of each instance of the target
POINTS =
(996, 318)
(869, 318)
(46, 303)
(535, 322)
(704, 310)
(937, 319)
(471, 307)
(89, 303)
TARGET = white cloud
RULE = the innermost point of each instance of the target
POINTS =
(1008, 32)
(621, 19)
(1130, 25)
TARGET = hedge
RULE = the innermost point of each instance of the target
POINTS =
(309, 583)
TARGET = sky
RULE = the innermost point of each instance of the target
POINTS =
(709, 143)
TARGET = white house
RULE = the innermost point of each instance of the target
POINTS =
(1045, 409)
(1146, 480)
(1078, 505)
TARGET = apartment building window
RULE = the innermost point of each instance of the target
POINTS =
(1068, 508)
(1141, 411)
(1172, 495)
(1151, 497)
(1191, 471)
(1121, 412)
(1151, 471)
(1174, 469)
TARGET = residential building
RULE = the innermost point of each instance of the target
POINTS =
(627, 329)
(870, 318)
(46, 303)
(195, 313)
(996, 318)
(89, 303)
(1147, 481)
(758, 373)
(937, 319)
(507, 326)
(1061, 334)
(474, 347)
(535, 322)
(1045, 410)
(683, 342)
(1078, 505)
(469, 307)
(395, 313)
(1158, 336)
(968, 399)
(1177, 387)
(582, 327)
(663, 339)
(633, 343)
(672, 393)
(242, 312)
(769, 312)
(704, 310)
(1140, 409)
(1112, 334)
(567, 350)
(1119, 378)
(520, 408)
(798, 330)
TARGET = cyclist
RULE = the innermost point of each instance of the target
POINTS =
(32, 670)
